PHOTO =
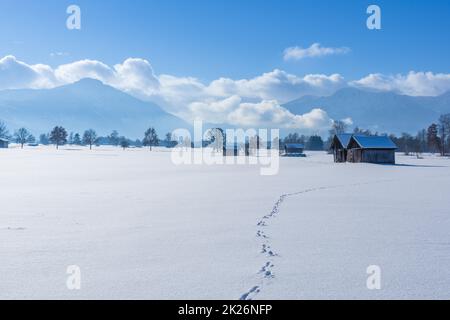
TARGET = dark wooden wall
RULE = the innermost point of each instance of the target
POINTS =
(378, 156)
(371, 156)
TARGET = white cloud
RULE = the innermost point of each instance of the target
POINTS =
(347, 121)
(277, 85)
(266, 114)
(216, 111)
(59, 54)
(271, 114)
(254, 102)
(72, 72)
(412, 84)
(15, 74)
(315, 50)
(134, 76)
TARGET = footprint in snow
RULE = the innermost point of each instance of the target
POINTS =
(15, 228)
(249, 295)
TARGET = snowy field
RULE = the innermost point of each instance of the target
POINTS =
(140, 227)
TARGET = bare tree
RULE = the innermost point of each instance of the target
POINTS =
(150, 138)
(338, 127)
(364, 132)
(216, 138)
(3, 130)
(22, 136)
(444, 131)
(254, 145)
(89, 138)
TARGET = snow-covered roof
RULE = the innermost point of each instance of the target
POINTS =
(294, 146)
(4, 140)
(374, 142)
(344, 138)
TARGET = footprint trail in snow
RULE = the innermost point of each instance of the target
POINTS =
(266, 272)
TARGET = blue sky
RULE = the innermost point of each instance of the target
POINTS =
(208, 39)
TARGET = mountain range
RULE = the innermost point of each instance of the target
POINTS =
(83, 105)
(91, 104)
(379, 111)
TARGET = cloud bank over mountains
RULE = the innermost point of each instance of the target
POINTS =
(244, 102)
(412, 84)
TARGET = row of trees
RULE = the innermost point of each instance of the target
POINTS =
(58, 136)
(20, 136)
(313, 142)
(434, 139)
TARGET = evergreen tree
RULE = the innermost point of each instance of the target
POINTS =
(44, 139)
(433, 140)
(113, 138)
(315, 143)
(70, 141)
(77, 139)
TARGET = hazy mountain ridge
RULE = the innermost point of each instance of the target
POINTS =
(91, 104)
(83, 105)
(380, 111)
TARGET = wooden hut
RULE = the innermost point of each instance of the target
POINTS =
(3, 143)
(339, 146)
(371, 149)
(294, 150)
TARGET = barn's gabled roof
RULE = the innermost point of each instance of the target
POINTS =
(4, 140)
(294, 146)
(374, 142)
(343, 138)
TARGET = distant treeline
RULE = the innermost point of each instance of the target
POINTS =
(434, 139)
(58, 136)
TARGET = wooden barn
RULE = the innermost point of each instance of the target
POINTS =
(294, 150)
(339, 146)
(3, 143)
(371, 149)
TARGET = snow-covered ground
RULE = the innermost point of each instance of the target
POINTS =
(140, 227)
